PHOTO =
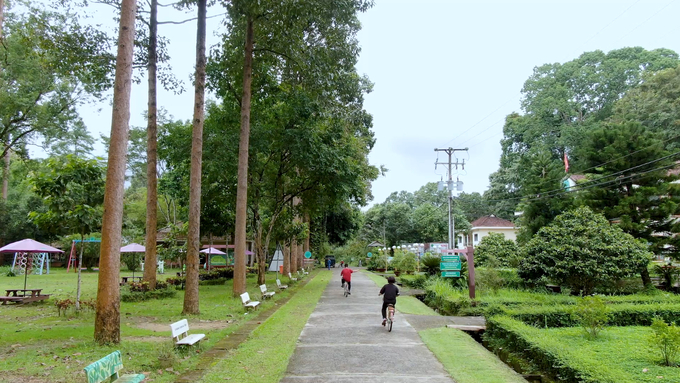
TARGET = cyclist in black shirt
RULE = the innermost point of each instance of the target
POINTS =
(389, 293)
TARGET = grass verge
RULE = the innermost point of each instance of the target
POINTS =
(405, 304)
(36, 342)
(264, 357)
(466, 360)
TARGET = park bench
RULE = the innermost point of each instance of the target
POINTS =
(107, 368)
(23, 296)
(247, 303)
(291, 277)
(266, 294)
(304, 272)
(180, 334)
(280, 286)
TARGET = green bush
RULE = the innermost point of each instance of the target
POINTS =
(140, 296)
(377, 261)
(582, 250)
(666, 339)
(592, 314)
(414, 281)
(430, 264)
(503, 252)
(213, 282)
(404, 262)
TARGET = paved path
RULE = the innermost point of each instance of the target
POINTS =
(344, 342)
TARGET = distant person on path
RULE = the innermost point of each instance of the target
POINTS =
(342, 264)
(346, 275)
(328, 263)
(390, 292)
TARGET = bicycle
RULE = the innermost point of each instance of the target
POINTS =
(390, 317)
(345, 286)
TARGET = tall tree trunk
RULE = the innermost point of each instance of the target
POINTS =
(194, 234)
(293, 256)
(107, 319)
(646, 279)
(286, 259)
(5, 166)
(242, 185)
(260, 254)
(80, 266)
(151, 156)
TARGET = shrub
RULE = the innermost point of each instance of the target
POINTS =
(494, 246)
(592, 314)
(415, 281)
(213, 282)
(668, 273)
(63, 305)
(581, 250)
(140, 296)
(176, 281)
(376, 262)
(430, 264)
(405, 262)
(489, 279)
(666, 339)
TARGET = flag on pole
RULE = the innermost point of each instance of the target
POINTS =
(566, 162)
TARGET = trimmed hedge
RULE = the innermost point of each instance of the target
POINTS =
(140, 296)
(619, 355)
(625, 314)
(511, 335)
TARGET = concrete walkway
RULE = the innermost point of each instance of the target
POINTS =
(344, 342)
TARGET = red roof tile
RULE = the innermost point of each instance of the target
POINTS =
(492, 221)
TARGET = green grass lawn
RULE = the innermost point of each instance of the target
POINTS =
(466, 360)
(264, 357)
(35, 341)
(619, 354)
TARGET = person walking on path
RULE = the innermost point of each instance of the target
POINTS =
(389, 293)
(328, 263)
(346, 275)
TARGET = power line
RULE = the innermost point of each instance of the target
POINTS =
(588, 185)
(646, 20)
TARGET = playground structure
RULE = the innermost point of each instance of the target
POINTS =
(73, 256)
(40, 262)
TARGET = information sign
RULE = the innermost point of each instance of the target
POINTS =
(308, 254)
(450, 258)
(446, 274)
(449, 266)
(369, 254)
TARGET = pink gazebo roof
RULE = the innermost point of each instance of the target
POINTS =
(133, 248)
(212, 250)
(28, 246)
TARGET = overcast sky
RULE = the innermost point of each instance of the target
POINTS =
(446, 73)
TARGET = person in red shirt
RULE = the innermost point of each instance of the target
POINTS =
(346, 275)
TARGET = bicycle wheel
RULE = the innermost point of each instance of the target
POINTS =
(389, 325)
(346, 291)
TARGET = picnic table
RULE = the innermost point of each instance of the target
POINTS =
(125, 279)
(23, 296)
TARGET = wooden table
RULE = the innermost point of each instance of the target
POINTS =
(23, 296)
(125, 279)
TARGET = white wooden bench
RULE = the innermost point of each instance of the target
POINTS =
(180, 334)
(266, 294)
(247, 303)
(291, 277)
(280, 286)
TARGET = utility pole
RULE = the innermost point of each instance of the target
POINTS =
(449, 185)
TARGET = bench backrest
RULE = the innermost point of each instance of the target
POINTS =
(290, 276)
(263, 288)
(179, 328)
(245, 298)
(278, 282)
(104, 368)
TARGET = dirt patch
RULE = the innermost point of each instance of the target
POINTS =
(157, 339)
(200, 325)
(7, 377)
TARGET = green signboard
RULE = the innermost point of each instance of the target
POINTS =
(369, 254)
(450, 258)
(449, 266)
(218, 260)
(446, 274)
(308, 254)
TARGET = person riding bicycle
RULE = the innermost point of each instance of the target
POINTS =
(390, 292)
(346, 275)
